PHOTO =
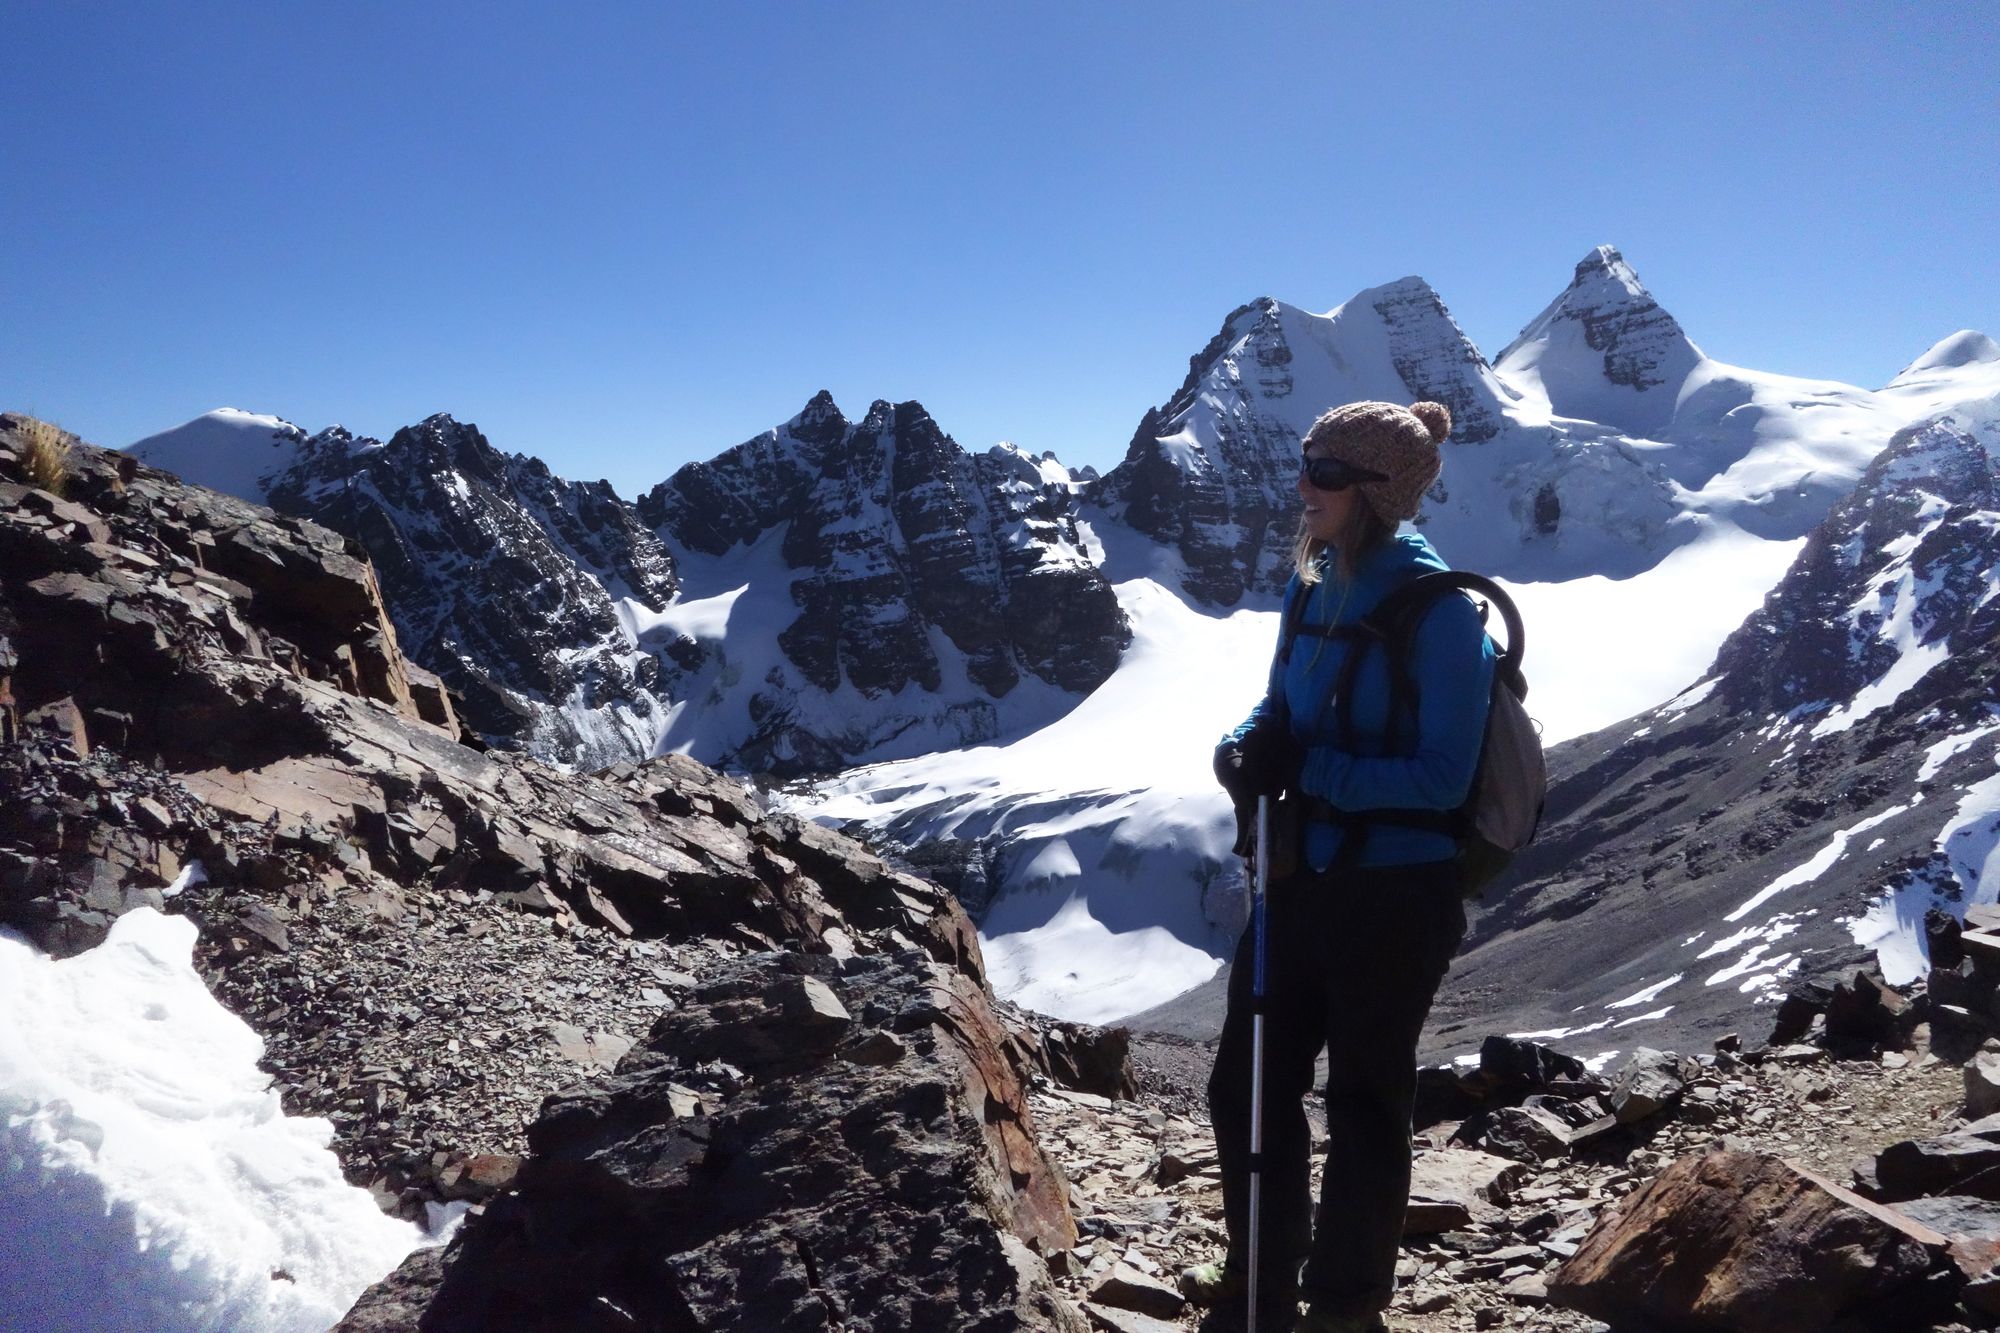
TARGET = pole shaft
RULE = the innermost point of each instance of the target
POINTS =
(1261, 884)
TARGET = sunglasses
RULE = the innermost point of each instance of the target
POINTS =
(1326, 473)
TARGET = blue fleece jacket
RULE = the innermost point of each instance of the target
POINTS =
(1452, 662)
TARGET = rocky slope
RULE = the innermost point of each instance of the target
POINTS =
(1524, 1159)
(1800, 808)
(504, 579)
(204, 709)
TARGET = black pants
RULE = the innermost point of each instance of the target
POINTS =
(1353, 959)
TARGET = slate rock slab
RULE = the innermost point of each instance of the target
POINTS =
(1454, 1186)
(1748, 1243)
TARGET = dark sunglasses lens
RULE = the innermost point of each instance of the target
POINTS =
(1328, 474)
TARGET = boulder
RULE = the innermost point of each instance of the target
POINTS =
(1527, 1134)
(1112, 1319)
(1941, 939)
(1452, 1187)
(1982, 1082)
(1126, 1288)
(1964, 1161)
(1803, 1003)
(1090, 1059)
(1865, 1016)
(1647, 1083)
(1512, 1067)
(1973, 1228)
(1443, 1094)
(1748, 1243)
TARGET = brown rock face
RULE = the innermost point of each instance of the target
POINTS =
(1747, 1243)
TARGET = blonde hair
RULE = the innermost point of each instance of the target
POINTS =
(1363, 531)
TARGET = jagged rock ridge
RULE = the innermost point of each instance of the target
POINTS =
(1213, 471)
(503, 577)
(1598, 442)
(931, 582)
(923, 585)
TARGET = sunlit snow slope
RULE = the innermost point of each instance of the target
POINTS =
(1116, 887)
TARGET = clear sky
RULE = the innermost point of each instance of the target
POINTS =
(623, 237)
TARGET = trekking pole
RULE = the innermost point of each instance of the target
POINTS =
(1260, 884)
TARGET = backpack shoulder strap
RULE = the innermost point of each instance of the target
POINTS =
(1399, 610)
(1296, 597)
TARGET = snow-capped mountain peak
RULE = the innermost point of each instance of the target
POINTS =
(1966, 348)
(1604, 350)
(228, 450)
(1432, 357)
(1963, 366)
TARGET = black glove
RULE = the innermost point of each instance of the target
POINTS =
(1263, 763)
(1271, 759)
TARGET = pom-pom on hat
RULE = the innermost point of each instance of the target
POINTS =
(1401, 443)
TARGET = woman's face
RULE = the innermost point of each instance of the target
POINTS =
(1326, 511)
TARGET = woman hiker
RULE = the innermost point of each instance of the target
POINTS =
(1360, 935)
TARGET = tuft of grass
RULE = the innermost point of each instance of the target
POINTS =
(45, 454)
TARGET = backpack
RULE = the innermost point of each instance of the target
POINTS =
(1504, 807)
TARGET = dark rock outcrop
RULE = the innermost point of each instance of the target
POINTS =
(804, 1143)
(913, 565)
(502, 578)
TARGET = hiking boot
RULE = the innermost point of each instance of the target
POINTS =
(1212, 1284)
(1319, 1319)
(1218, 1286)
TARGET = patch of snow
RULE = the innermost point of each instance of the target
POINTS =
(1939, 753)
(1820, 862)
(1552, 1033)
(192, 873)
(150, 1181)
(1969, 874)
(1753, 960)
(1649, 993)
(1690, 696)
(227, 450)
(1580, 683)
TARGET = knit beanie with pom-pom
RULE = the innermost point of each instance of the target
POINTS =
(1401, 443)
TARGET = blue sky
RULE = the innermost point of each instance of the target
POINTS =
(626, 237)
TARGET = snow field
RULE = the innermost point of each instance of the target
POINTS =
(1118, 887)
(149, 1179)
